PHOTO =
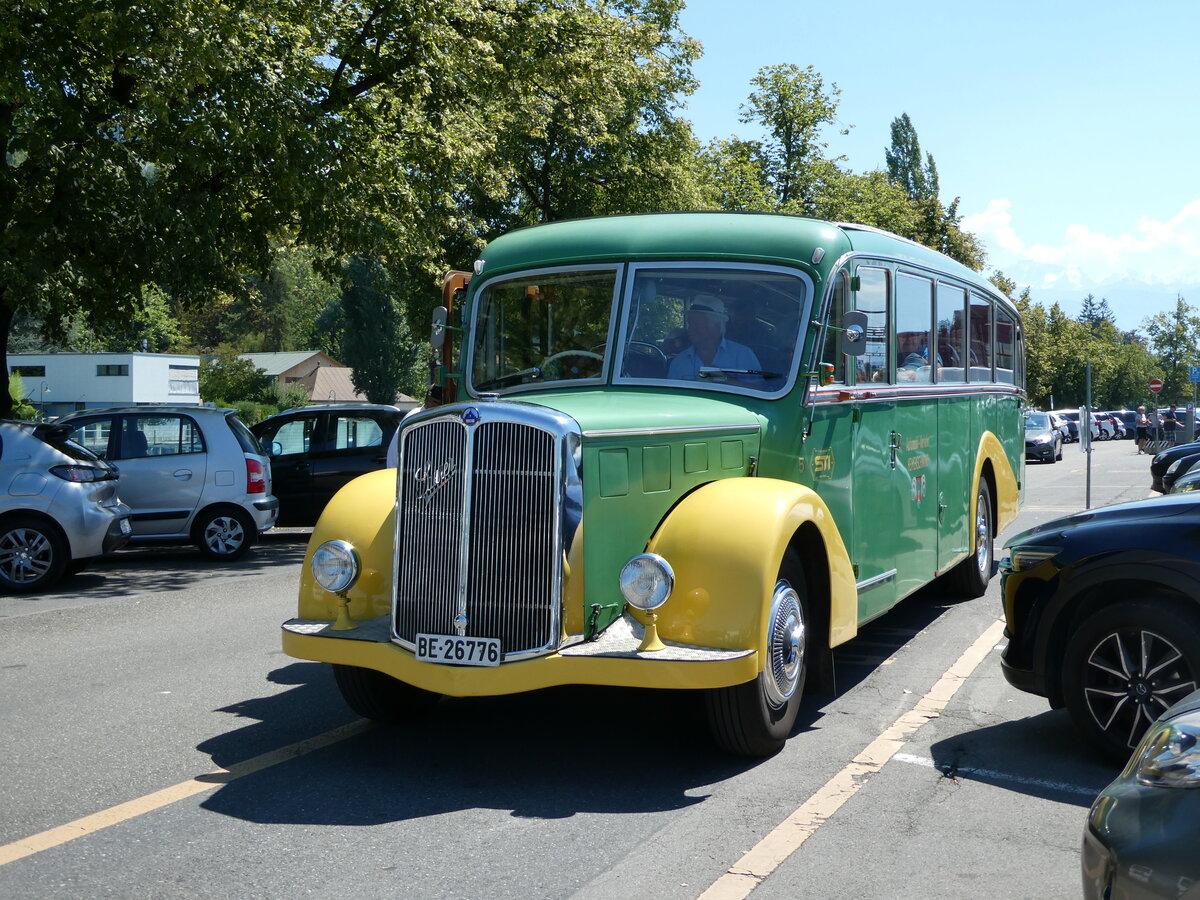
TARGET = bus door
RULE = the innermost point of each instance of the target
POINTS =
(879, 489)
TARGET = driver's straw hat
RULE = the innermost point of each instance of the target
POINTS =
(711, 304)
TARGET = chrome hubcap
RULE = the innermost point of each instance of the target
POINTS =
(785, 644)
(983, 535)
(1131, 677)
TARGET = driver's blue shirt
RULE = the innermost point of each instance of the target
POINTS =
(729, 355)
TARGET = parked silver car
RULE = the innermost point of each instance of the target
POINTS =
(190, 473)
(58, 509)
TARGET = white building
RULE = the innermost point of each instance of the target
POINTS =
(59, 383)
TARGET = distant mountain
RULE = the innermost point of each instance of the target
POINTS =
(1132, 300)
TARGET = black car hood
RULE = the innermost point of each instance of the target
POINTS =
(1142, 510)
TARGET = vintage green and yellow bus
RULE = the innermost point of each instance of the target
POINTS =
(693, 451)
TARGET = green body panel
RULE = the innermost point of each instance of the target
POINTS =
(642, 454)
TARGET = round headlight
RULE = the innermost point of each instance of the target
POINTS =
(335, 566)
(647, 581)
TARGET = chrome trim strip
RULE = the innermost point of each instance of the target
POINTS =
(876, 581)
(678, 429)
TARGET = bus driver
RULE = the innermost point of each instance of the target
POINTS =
(706, 319)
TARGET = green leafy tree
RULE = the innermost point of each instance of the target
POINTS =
(919, 180)
(227, 378)
(23, 407)
(376, 342)
(1174, 337)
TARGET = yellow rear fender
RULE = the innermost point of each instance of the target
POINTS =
(725, 543)
(362, 514)
(1006, 494)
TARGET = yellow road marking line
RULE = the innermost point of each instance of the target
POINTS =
(765, 857)
(124, 811)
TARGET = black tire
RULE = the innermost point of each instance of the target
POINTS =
(755, 718)
(971, 576)
(1058, 455)
(33, 555)
(224, 533)
(1125, 665)
(379, 697)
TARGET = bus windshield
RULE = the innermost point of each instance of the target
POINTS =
(711, 328)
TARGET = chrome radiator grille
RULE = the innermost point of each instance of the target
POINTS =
(478, 543)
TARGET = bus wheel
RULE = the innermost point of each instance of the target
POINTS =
(755, 718)
(374, 695)
(971, 576)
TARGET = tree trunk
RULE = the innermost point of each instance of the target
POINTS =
(6, 319)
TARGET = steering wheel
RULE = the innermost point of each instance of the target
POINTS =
(656, 350)
(587, 354)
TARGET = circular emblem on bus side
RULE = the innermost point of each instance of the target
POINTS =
(470, 415)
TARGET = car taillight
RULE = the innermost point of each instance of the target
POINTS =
(256, 479)
(82, 474)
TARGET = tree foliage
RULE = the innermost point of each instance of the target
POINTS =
(1175, 337)
(376, 342)
(918, 179)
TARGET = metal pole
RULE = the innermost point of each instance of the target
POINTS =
(1088, 415)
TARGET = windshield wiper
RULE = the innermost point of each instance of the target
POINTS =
(710, 371)
(502, 380)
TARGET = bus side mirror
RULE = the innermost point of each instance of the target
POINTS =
(437, 335)
(854, 333)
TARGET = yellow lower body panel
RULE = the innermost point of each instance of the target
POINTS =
(675, 667)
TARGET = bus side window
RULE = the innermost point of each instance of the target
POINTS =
(871, 298)
(831, 351)
(1006, 347)
(951, 332)
(916, 357)
(980, 349)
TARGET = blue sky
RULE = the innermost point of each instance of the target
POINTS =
(1069, 130)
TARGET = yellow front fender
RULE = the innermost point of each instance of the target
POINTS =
(363, 514)
(725, 543)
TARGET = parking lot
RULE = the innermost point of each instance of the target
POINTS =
(158, 743)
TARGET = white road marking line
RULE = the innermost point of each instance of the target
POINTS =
(1064, 787)
(785, 839)
(114, 815)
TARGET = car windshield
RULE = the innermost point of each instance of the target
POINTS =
(1037, 422)
(716, 328)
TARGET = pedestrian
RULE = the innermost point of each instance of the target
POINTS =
(1170, 423)
(1142, 423)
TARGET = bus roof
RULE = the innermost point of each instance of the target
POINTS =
(718, 236)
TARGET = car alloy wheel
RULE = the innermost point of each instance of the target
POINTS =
(32, 556)
(225, 535)
(1125, 666)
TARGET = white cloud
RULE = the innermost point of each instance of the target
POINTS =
(1150, 252)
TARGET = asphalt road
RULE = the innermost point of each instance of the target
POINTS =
(155, 742)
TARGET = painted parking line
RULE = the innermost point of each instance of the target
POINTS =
(124, 811)
(785, 839)
(1062, 787)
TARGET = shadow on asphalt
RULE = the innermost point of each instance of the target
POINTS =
(173, 567)
(546, 754)
(1041, 756)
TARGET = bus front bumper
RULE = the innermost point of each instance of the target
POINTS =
(612, 660)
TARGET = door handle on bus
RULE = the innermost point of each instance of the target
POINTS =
(894, 440)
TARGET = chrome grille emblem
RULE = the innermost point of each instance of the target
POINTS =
(430, 479)
(470, 416)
